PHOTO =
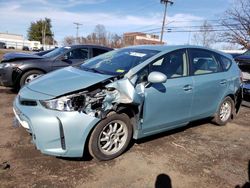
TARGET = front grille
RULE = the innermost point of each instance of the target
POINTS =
(27, 102)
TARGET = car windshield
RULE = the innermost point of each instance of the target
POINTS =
(56, 52)
(118, 61)
(247, 52)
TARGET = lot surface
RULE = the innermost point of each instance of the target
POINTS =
(199, 155)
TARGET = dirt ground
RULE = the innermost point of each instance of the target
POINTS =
(199, 155)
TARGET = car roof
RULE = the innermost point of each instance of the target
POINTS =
(166, 48)
(89, 46)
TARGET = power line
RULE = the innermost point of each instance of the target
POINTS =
(186, 21)
(192, 26)
(187, 31)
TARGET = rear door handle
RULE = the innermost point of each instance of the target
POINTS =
(223, 82)
(187, 87)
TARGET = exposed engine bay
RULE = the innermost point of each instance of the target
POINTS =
(98, 101)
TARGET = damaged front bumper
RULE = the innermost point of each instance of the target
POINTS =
(6, 77)
(55, 132)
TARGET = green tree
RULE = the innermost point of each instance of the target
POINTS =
(41, 31)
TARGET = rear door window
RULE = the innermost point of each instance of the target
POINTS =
(203, 62)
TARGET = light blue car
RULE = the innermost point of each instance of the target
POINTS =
(128, 93)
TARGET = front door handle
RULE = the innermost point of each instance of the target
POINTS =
(223, 82)
(187, 87)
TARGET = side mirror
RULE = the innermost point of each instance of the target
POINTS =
(157, 77)
(65, 57)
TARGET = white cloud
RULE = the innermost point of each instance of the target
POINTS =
(16, 18)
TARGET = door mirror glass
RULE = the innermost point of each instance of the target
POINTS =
(157, 77)
(65, 57)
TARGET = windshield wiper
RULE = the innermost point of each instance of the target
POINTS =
(92, 70)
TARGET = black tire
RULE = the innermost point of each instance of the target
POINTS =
(97, 148)
(218, 118)
(28, 74)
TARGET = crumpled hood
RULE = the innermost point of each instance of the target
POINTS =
(18, 56)
(65, 80)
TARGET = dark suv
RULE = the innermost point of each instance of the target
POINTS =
(16, 71)
(244, 61)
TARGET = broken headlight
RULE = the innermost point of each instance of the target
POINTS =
(5, 65)
(68, 103)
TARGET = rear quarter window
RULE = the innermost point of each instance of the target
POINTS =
(225, 62)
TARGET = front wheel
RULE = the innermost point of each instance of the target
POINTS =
(224, 114)
(110, 137)
(29, 76)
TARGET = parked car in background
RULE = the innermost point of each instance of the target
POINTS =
(246, 90)
(127, 93)
(2, 45)
(244, 62)
(41, 53)
(11, 56)
(25, 48)
(16, 71)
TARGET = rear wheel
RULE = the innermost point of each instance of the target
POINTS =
(110, 137)
(29, 76)
(224, 114)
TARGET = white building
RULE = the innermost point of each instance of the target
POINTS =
(18, 42)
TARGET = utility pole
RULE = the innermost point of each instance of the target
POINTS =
(77, 28)
(165, 2)
(44, 33)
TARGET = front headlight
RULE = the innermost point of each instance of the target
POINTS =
(5, 65)
(61, 104)
(67, 103)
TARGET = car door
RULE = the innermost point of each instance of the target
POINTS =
(73, 57)
(210, 82)
(168, 105)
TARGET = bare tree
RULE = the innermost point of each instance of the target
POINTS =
(237, 22)
(69, 40)
(115, 41)
(99, 36)
(205, 36)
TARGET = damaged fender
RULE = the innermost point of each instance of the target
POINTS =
(125, 93)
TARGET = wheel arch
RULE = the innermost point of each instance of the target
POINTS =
(16, 79)
(236, 98)
(130, 110)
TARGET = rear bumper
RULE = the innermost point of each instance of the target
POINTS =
(54, 132)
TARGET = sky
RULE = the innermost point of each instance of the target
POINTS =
(118, 16)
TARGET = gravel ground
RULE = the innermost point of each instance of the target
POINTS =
(199, 155)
